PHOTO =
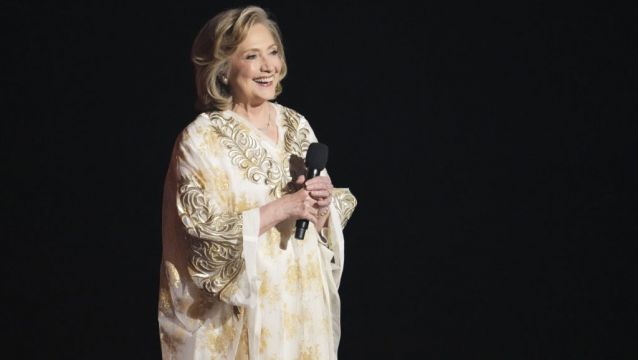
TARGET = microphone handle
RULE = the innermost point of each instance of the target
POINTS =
(312, 173)
(302, 224)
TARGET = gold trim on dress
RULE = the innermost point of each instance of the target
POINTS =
(246, 153)
(297, 138)
(345, 203)
(216, 239)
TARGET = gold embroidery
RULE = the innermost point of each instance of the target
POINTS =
(172, 275)
(271, 245)
(310, 353)
(268, 291)
(293, 277)
(345, 203)
(246, 153)
(227, 292)
(241, 203)
(165, 305)
(311, 274)
(297, 138)
(200, 177)
(170, 343)
(296, 143)
(216, 241)
(263, 340)
(221, 338)
(217, 180)
(242, 349)
(292, 322)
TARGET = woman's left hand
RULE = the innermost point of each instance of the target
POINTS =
(320, 188)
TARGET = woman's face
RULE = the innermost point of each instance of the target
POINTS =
(255, 67)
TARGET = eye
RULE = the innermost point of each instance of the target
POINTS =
(251, 57)
(274, 52)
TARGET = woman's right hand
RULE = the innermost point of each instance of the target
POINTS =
(293, 206)
(299, 205)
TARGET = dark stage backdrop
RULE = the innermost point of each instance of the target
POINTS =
(491, 147)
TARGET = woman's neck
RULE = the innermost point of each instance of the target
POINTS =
(256, 114)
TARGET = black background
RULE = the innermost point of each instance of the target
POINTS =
(491, 148)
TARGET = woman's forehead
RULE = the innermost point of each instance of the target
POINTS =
(258, 36)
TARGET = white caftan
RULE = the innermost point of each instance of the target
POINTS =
(225, 291)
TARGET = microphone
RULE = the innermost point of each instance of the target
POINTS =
(316, 158)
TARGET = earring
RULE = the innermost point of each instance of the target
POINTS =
(225, 80)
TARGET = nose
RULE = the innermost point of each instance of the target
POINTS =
(266, 65)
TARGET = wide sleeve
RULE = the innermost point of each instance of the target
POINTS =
(214, 231)
(343, 201)
(341, 209)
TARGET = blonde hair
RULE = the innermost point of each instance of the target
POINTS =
(215, 44)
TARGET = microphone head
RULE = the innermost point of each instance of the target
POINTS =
(317, 156)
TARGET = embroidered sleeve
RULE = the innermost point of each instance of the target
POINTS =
(345, 203)
(214, 233)
(215, 237)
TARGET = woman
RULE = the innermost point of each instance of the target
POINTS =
(235, 283)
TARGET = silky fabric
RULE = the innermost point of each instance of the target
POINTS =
(227, 292)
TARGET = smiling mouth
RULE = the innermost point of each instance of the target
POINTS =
(264, 81)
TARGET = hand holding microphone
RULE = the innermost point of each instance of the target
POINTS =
(319, 188)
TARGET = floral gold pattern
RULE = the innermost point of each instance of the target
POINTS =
(227, 290)
(170, 344)
(345, 203)
(215, 239)
(296, 143)
(246, 153)
(297, 138)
